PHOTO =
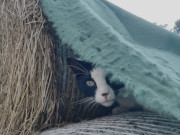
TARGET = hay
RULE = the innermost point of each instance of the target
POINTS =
(37, 89)
(27, 89)
(132, 123)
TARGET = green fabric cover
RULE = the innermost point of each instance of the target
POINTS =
(142, 55)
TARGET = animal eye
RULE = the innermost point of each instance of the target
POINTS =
(90, 83)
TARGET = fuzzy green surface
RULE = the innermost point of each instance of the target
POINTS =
(143, 56)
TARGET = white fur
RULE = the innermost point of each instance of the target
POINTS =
(97, 74)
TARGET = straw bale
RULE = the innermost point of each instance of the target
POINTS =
(132, 123)
(27, 89)
(37, 89)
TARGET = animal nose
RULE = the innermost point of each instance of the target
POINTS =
(105, 95)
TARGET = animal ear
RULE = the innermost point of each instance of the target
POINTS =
(75, 65)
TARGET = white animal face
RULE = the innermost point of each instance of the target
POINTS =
(104, 94)
(93, 82)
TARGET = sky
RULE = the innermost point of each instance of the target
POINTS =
(155, 11)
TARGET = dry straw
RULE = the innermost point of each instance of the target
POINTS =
(27, 89)
(37, 89)
(131, 123)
